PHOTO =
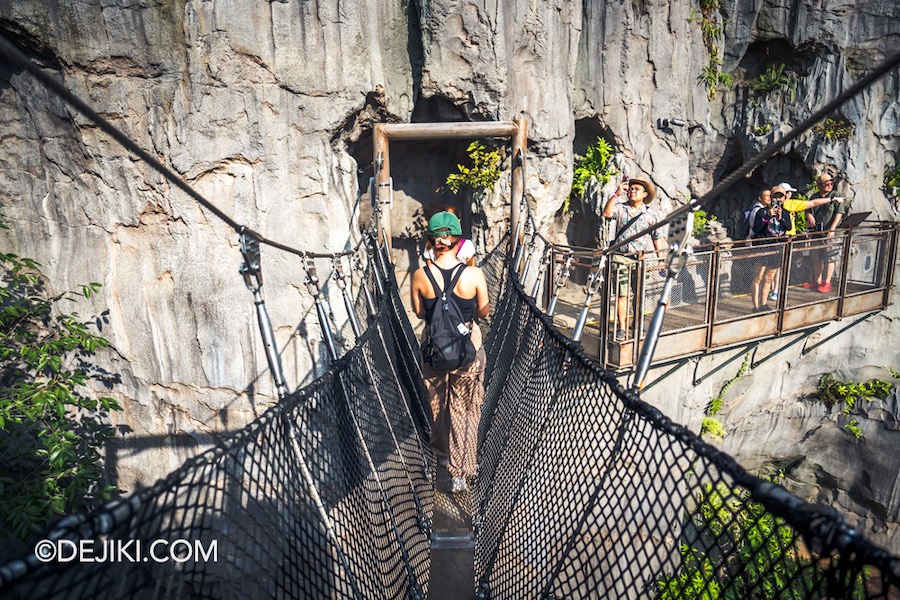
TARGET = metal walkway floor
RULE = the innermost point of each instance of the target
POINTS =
(452, 543)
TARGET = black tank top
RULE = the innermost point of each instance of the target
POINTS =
(466, 305)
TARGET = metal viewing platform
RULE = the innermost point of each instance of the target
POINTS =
(711, 306)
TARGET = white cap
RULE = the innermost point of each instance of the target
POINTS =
(788, 187)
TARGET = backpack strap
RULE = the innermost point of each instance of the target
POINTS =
(456, 273)
(751, 218)
(434, 283)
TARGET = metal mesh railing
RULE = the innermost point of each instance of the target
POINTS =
(585, 491)
(328, 494)
(711, 303)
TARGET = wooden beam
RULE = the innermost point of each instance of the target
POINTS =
(429, 131)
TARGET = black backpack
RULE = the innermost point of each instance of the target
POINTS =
(447, 344)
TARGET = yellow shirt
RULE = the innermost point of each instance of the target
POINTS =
(794, 206)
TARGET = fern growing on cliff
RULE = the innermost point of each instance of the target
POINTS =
(596, 163)
(712, 29)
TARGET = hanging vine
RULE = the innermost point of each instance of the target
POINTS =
(712, 26)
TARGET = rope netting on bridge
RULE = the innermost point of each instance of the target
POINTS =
(583, 489)
(326, 495)
(586, 491)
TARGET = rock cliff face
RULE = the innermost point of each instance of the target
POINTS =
(266, 109)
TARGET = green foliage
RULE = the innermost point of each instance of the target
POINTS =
(847, 395)
(596, 163)
(772, 79)
(712, 28)
(892, 178)
(761, 130)
(695, 579)
(713, 427)
(760, 556)
(712, 76)
(715, 405)
(51, 432)
(701, 222)
(482, 175)
(834, 129)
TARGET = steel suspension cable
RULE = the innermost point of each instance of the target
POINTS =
(768, 152)
(9, 49)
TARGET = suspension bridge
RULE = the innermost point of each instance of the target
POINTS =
(583, 489)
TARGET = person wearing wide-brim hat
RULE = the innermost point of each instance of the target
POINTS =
(631, 217)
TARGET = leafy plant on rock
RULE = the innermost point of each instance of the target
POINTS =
(892, 179)
(51, 429)
(484, 172)
(834, 129)
(710, 425)
(848, 395)
(761, 130)
(597, 164)
(701, 222)
(773, 79)
(712, 28)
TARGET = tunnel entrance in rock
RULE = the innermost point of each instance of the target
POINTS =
(419, 170)
(764, 54)
(584, 223)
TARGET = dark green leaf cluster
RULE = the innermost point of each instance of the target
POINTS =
(892, 177)
(834, 129)
(482, 175)
(51, 429)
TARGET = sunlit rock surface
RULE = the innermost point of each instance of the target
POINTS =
(266, 109)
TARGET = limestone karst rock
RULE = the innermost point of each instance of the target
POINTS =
(266, 109)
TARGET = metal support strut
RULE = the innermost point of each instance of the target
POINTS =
(679, 251)
(542, 271)
(341, 278)
(560, 282)
(312, 284)
(595, 282)
(252, 272)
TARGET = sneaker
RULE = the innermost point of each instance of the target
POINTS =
(458, 485)
(810, 285)
(620, 335)
(825, 288)
(773, 295)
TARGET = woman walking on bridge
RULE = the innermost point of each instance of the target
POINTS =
(455, 395)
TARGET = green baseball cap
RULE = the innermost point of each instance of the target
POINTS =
(444, 223)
